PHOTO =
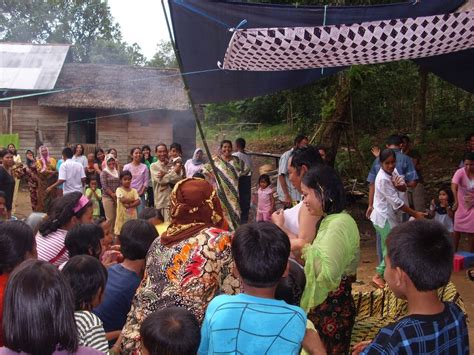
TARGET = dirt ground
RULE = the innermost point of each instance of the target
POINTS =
(368, 258)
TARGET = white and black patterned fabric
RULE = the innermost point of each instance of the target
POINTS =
(291, 48)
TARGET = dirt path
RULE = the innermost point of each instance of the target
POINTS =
(368, 259)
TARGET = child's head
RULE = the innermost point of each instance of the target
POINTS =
(170, 331)
(17, 243)
(290, 288)
(264, 181)
(84, 239)
(445, 194)
(151, 215)
(108, 239)
(67, 211)
(87, 277)
(419, 255)
(388, 160)
(39, 310)
(136, 237)
(90, 158)
(260, 252)
(240, 143)
(3, 204)
(175, 150)
(126, 178)
(93, 183)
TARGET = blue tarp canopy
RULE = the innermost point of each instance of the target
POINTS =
(201, 31)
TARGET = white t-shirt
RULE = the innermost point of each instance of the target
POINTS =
(72, 173)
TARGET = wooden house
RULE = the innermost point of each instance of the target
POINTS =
(107, 106)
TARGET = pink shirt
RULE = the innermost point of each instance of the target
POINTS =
(139, 175)
(464, 216)
(264, 203)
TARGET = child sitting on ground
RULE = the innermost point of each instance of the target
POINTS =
(155, 217)
(171, 331)
(87, 277)
(265, 200)
(127, 201)
(254, 321)
(84, 239)
(94, 194)
(135, 240)
(419, 260)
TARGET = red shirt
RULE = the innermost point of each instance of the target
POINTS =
(3, 285)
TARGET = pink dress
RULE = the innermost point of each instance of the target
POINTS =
(464, 216)
(264, 204)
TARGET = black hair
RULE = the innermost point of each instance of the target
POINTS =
(125, 173)
(136, 237)
(67, 152)
(150, 158)
(14, 151)
(39, 310)
(394, 139)
(199, 175)
(84, 239)
(171, 331)
(405, 138)
(448, 192)
(290, 289)
(240, 142)
(150, 212)
(226, 141)
(98, 221)
(177, 146)
(328, 187)
(97, 150)
(93, 177)
(3, 195)
(469, 156)
(61, 212)
(260, 251)
(306, 156)
(387, 153)
(299, 138)
(160, 145)
(16, 240)
(424, 250)
(86, 276)
(77, 146)
(264, 177)
(109, 151)
(4, 152)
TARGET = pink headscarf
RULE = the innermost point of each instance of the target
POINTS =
(42, 158)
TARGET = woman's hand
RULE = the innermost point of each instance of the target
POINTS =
(359, 347)
(278, 218)
(419, 215)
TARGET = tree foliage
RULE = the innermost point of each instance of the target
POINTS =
(164, 56)
(86, 24)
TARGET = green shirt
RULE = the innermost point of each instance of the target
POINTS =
(333, 253)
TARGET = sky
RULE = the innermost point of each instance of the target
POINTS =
(141, 21)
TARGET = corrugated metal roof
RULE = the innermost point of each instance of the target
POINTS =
(30, 66)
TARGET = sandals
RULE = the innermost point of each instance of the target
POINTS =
(378, 282)
(470, 274)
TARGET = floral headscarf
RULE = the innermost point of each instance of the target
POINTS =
(194, 206)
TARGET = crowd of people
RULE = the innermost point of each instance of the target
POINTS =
(161, 256)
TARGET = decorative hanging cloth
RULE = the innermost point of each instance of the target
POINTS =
(292, 48)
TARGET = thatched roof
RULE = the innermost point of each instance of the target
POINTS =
(118, 87)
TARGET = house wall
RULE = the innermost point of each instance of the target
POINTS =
(33, 123)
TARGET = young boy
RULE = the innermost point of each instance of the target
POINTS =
(171, 331)
(420, 260)
(253, 321)
(123, 279)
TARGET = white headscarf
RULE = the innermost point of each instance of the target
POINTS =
(109, 171)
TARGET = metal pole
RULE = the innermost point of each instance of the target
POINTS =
(196, 116)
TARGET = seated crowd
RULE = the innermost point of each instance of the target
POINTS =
(203, 283)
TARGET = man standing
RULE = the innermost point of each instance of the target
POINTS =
(287, 193)
(162, 176)
(245, 180)
(71, 174)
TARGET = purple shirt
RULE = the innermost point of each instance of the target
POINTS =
(139, 175)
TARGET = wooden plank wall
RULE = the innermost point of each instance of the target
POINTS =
(51, 122)
(112, 132)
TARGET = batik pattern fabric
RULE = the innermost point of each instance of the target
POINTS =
(46, 177)
(294, 48)
(228, 187)
(188, 274)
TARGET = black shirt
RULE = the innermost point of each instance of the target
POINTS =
(7, 185)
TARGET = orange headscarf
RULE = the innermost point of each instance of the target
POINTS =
(194, 207)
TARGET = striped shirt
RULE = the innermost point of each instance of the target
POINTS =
(51, 248)
(91, 331)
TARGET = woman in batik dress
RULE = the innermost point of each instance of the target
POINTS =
(47, 175)
(229, 169)
(188, 264)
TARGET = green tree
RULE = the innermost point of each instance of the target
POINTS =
(164, 56)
